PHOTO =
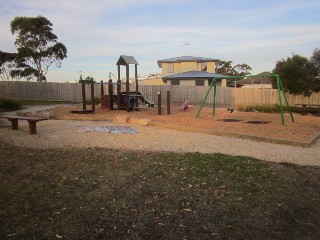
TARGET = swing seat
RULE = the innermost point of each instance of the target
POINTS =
(185, 105)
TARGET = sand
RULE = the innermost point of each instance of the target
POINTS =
(178, 132)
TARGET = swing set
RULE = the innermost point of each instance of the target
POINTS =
(279, 88)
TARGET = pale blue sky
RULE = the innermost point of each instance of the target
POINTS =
(97, 32)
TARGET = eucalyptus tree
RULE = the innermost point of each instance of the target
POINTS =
(37, 45)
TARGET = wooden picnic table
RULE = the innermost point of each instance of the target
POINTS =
(307, 105)
(305, 108)
(31, 120)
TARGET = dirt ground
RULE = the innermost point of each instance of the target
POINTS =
(262, 126)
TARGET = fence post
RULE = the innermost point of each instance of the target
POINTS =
(159, 102)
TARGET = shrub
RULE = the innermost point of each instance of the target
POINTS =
(9, 104)
(265, 108)
(97, 100)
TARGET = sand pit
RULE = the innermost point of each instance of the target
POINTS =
(256, 135)
(252, 125)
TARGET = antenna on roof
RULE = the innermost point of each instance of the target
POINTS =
(186, 45)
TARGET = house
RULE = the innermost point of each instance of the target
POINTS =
(188, 70)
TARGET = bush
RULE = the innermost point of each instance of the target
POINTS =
(97, 100)
(9, 104)
(265, 108)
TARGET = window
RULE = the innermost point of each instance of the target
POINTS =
(175, 82)
(170, 68)
(199, 82)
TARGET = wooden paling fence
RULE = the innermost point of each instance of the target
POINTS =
(193, 94)
(45, 91)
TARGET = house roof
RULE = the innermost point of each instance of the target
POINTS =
(186, 59)
(124, 60)
(192, 75)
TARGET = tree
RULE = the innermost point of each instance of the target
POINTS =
(37, 45)
(13, 68)
(225, 67)
(6, 64)
(297, 74)
(315, 61)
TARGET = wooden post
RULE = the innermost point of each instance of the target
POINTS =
(110, 93)
(168, 102)
(137, 85)
(14, 124)
(32, 127)
(159, 102)
(119, 93)
(136, 77)
(101, 89)
(83, 85)
(93, 104)
(127, 88)
(119, 89)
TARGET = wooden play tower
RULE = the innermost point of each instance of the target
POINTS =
(126, 61)
(125, 99)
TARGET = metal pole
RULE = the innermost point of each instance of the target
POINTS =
(280, 100)
(285, 98)
(205, 98)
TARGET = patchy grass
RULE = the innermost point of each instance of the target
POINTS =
(9, 104)
(101, 193)
(43, 102)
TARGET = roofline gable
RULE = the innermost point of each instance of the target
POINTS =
(186, 59)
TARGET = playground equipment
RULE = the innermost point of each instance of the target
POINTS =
(279, 87)
(124, 98)
(84, 105)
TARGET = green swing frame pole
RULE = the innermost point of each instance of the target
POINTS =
(280, 100)
(206, 96)
(279, 89)
(285, 97)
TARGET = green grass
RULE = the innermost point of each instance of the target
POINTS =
(100, 193)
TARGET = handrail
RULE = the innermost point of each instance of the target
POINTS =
(111, 74)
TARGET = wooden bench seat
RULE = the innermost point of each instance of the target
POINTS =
(304, 109)
(31, 120)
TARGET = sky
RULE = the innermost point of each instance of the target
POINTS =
(256, 32)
